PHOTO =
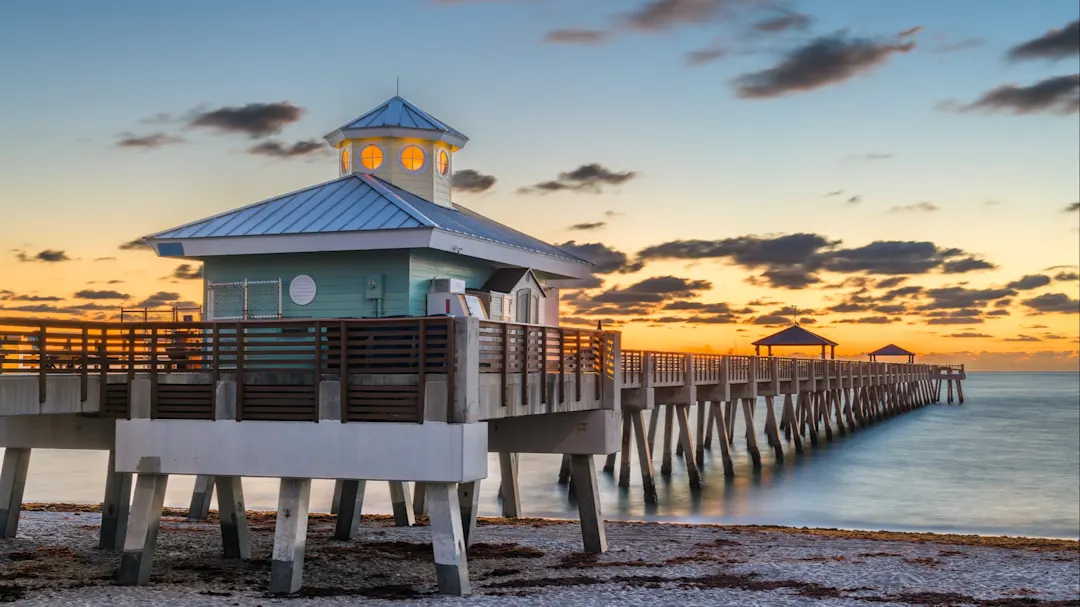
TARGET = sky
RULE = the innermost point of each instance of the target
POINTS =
(899, 172)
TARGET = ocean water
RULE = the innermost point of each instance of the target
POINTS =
(1005, 462)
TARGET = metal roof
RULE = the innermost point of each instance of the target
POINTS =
(795, 336)
(398, 112)
(355, 203)
(505, 279)
(891, 350)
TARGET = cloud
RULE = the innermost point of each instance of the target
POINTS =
(46, 256)
(824, 61)
(276, 149)
(1072, 207)
(577, 36)
(856, 199)
(1054, 44)
(750, 250)
(135, 245)
(705, 308)
(1031, 281)
(1053, 302)
(159, 299)
(908, 291)
(588, 225)
(109, 258)
(586, 178)
(788, 21)
(1066, 276)
(890, 258)
(872, 156)
(922, 207)
(834, 193)
(255, 120)
(951, 298)
(147, 142)
(785, 278)
(869, 320)
(6, 295)
(955, 320)
(1055, 95)
(656, 15)
(705, 55)
(605, 259)
(92, 294)
(1022, 338)
(188, 272)
(468, 180)
(891, 282)
(969, 335)
(942, 47)
(639, 298)
(966, 264)
(771, 320)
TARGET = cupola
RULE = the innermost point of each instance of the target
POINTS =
(403, 145)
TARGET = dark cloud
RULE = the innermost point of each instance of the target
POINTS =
(276, 149)
(1056, 95)
(951, 298)
(998, 312)
(656, 15)
(966, 264)
(889, 258)
(92, 294)
(1054, 44)
(869, 320)
(605, 259)
(943, 46)
(1073, 207)
(639, 298)
(147, 142)
(577, 36)
(891, 282)
(848, 307)
(892, 294)
(110, 258)
(586, 178)
(705, 308)
(823, 61)
(786, 278)
(749, 251)
(188, 272)
(921, 207)
(587, 226)
(468, 180)
(1066, 276)
(38, 309)
(716, 319)
(856, 199)
(891, 309)
(256, 120)
(969, 334)
(9, 296)
(135, 245)
(834, 193)
(772, 320)
(872, 156)
(705, 55)
(159, 299)
(955, 320)
(1053, 302)
(1022, 338)
(1031, 281)
(47, 256)
(788, 21)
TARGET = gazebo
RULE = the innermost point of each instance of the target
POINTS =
(892, 350)
(795, 336)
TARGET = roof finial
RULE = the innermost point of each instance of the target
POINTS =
(795, 315)
(397, 86)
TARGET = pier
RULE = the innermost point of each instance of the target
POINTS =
(412, 400)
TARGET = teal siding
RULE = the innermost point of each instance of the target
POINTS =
(340, 280)
(426, 264)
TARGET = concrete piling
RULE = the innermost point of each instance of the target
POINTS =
(648, 479)
(448, 539)
(350, 505)
(687, 441)
(290, 535)
(511, 495)
(232, 515)
(200, 498)
(115, 508)
(469, 503)
(12, 486)
(401, 501)
(143, 523)
(588, 500)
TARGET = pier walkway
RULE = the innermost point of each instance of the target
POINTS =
(409, 400)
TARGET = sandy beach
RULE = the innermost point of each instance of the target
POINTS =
(54, 561)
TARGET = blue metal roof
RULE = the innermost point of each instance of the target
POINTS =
(397, 112)
(356, 202)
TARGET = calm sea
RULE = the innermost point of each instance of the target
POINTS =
(1006, 462)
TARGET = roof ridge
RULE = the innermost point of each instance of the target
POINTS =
(387, 190)
(463, 209)
(246, 207)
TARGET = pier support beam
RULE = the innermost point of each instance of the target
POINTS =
(115, 508)
(624, 457)
(350, 505)
(648, 479)
(335, 502)
(669, 428)
(751, 435)
(789, 412)
(290, 535)
(564, 470)
(717, 414)
(419, 494)
(699, 453)
(448, 539)
(588, 500)
(772, 431)
(12, 486)
(469, 502)
(511, 494)
(402, 503)
(687, 442)
(654, 424)
(710, 406)
(960, 391)
(200, 498)
(142, 530)
(232, 516)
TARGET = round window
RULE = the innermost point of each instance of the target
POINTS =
(371, 157)
(302, 290)
(442, 162)
(412, 158)
(345, 160)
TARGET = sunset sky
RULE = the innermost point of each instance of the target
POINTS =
(903, 172)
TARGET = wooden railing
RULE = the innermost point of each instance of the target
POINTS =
(515, 349)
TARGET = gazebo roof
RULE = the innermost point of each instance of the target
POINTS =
(891, 350)
(794, 336)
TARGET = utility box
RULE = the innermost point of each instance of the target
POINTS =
(456, 304)
(447, 285)
(373, 288)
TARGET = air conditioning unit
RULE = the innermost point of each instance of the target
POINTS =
(447, 285)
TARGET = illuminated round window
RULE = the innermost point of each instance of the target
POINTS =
(371, 157)
(345, 160)
(412, 158)
(442, 162)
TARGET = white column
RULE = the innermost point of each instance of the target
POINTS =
(588, 500)
(469, 502)
(402, 502)
(350, 504)
(511, 494)
(232, 515)
(142, 530)
(448, 539)
(115, 507)
(12, 485)
(200, 498)
(290, 535)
